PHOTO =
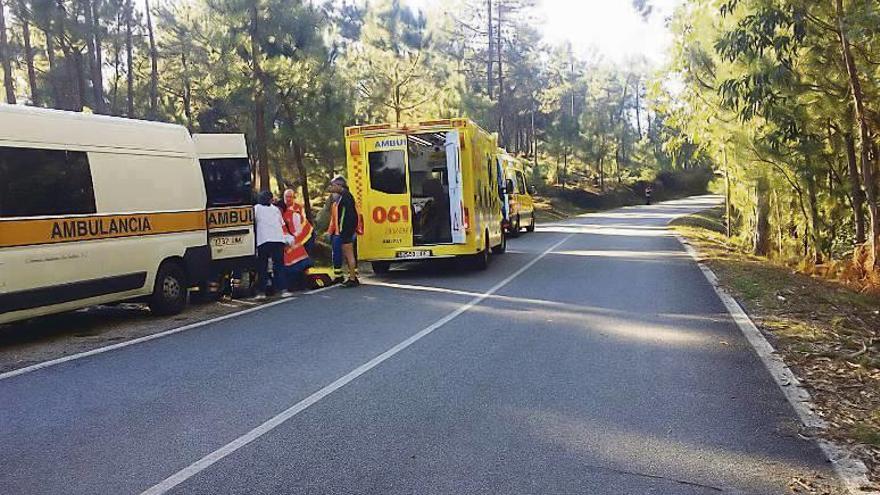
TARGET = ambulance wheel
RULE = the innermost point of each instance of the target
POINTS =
(170, 290)
(246, 286)
(381, 267)
(501, 248)
(515, 227)
(480, 261)
(531, 227)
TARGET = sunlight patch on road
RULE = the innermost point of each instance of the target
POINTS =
(676, 456)
(617, 253)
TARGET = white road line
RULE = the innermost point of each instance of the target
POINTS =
(205, 462)
(851, 471)
(147, 338)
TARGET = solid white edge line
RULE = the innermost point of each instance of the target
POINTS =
(851, 471)
(147, 338)
(205, 462)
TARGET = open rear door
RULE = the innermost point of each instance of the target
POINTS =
(456, 194)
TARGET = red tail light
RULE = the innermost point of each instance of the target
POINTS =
(467, 219)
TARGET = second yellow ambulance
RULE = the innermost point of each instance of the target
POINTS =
(425, 191)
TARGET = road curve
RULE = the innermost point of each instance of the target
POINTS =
(592, 358)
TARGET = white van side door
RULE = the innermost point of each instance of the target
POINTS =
(456, 192)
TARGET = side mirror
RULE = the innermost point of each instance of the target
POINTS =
(508, 186)
(533, 190)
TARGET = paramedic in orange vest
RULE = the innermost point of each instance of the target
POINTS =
(298, 232)
(297, 211)
(343, 230)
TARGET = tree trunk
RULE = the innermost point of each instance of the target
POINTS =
(29, 53)
(761, 244)
(154, 66)
(855, 181)
(500, 107)
(727, 206)
(489, 63)
(259, 100)
(5, 58)
(815, 221)
(300, 163)
(129, 64)
(114, 100)
(80, 76)
(94, 70)
(187, 91)
(639, 108)
(534, 141)
(98, 75)
(866, 139)
(53, 66)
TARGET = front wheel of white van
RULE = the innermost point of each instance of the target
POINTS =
(169, 291)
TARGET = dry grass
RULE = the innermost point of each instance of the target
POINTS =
(826, 331)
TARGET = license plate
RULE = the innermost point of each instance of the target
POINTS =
(228, 240)
(409, 255)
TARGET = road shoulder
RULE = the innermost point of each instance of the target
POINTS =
(815, 338)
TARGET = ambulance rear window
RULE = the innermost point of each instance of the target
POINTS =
(38, 182)
(227, 181)
(388, 171)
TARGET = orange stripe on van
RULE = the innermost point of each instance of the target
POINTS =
(88, 228)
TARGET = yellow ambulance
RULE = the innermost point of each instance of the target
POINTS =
(426, 191)
(519, 209)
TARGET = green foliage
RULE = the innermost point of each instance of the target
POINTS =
(297, 72)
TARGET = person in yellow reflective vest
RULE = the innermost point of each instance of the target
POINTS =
(343, 230)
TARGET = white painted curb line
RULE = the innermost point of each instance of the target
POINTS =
(851, 471)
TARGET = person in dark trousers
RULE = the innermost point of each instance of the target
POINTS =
(343, 229)
(269, 226)
(649, 190)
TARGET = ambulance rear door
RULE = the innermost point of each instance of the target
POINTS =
(456, 188)
(386, 207)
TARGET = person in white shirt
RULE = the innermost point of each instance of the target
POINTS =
(269, 227)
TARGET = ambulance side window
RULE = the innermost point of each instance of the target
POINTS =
(227, 181)
(37, 182)
(521, 186)
(388, 171)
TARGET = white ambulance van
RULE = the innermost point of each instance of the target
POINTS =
(97, 209)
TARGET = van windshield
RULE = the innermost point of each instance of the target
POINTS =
(227, 181)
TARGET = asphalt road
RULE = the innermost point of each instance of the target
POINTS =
(593, 358)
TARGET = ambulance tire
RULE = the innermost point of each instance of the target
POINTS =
(381, 267)
(247, 285)
(170, 290)
(480, 261)
(501, 248)
(515, 227)
(531, 227)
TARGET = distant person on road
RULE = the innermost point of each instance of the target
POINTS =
(298, 232)
(649, 190)
(269, 226)
(343, 230)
